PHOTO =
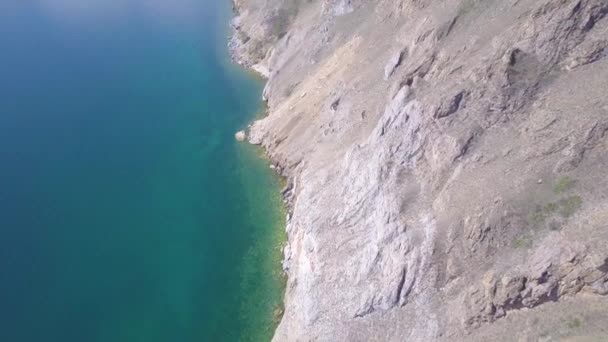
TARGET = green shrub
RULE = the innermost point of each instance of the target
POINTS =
(570, 205)
(563, 184)
(537, 218)
(575, 323)
(551, 208)
(524, 241)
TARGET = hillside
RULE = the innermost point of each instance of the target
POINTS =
(447, 165)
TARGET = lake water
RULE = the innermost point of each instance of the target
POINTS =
(128, 212)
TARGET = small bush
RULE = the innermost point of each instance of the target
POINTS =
(563, 184)
(570, 205)
(575, 323)
(554, 225)
(538, 217)
(524, 241)
(551, 208)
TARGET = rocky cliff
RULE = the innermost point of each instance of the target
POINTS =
(447, 165)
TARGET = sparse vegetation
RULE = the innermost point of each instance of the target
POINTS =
(538, 217)
(524, 241)
(551, 208)
(279, 24)
(565, 207)
(575, 323)
(280, 21)
(563, 184)
(570, 205)
(465, 7)
(257, 49)
(276, 25)
(554, 225)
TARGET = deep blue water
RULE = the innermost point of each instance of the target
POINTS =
(127, 210)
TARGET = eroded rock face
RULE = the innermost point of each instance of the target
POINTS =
(446, 164)
(554, 270)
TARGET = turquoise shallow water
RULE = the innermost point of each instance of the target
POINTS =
(127, 210)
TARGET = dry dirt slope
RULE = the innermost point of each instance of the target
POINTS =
(447, 163)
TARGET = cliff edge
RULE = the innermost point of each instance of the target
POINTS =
(446, 163)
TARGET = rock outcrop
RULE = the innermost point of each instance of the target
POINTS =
(446, 165)
(240, 136)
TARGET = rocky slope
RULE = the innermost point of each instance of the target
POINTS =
(447, 165)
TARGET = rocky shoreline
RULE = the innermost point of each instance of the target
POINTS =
(413, 142)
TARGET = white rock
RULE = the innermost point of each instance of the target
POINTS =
(240, 136)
